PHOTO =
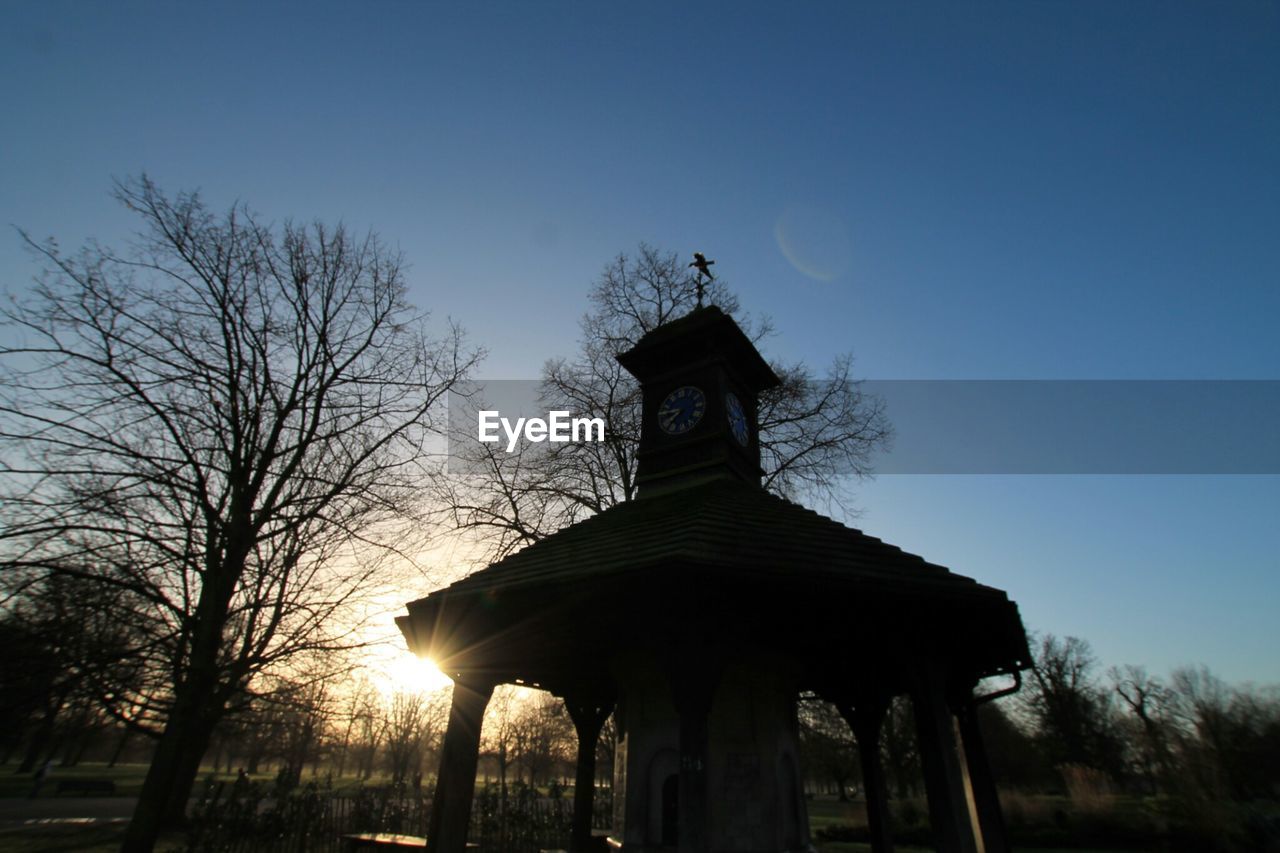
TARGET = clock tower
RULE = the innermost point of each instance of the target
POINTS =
(700, 377)
(698, 614)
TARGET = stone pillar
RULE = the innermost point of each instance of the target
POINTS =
(456, 781)
(693, 681)
(865, 719)
(694, 813)
(986, 799)
(944, 773)
(588, 717)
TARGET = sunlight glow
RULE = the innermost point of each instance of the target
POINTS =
(409, 674)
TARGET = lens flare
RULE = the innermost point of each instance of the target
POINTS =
(815, 241)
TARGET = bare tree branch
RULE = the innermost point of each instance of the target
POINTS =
(230, 426)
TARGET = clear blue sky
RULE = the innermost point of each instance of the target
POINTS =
(1082, 190)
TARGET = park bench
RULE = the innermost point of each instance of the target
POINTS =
(85, 787)
(383, 841)
(388, 841)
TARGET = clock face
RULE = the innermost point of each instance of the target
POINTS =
(682, 410)
(737, 419)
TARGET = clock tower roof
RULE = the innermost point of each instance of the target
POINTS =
(702, 334)
(700, 379)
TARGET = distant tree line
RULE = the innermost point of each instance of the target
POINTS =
(1190, 736)
(1191, 743)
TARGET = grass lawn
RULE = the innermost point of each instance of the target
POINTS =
(128, 778)
(827, 811)
(74, 838)
(824, 812)
(854, 847)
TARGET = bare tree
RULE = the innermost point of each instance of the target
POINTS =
(370, 733)
(899, 750)
(412, 719)
(828, 745)
(65, 645)
(305, 712)
(1147, 703)
(607, 749)
(501, 720)
(1072, 713)
(544, 736)
(357, 720)
(228, 424)
(816, 434)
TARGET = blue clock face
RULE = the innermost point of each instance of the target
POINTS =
(682, 410)
(737, 419)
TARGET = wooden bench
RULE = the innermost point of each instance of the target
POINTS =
(86, 786)
(383, 841)
(388, 841)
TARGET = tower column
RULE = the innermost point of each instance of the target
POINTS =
(865, 719)
(694, 678)
(456, 781)
(694, 814)
(588, 715)
(945, 779)
(986, 799)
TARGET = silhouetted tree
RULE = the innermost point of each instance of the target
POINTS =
(544, 736)
(607, 749)
(412, 721)
(899, 752)
(67, 652)
(501, 723)
(30, 688)
(828, 746)
(1072, 712)
(1229, 737)
(220, 423)
(1149, 734)
(1011, 751)
(356, 719)
(816, 434)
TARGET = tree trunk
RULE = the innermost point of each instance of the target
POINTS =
(115, 756)
(167, 787)
(195, 712)
(39, 742)
(148, 815)
(81, 747)
(342, 754)
(193, 750)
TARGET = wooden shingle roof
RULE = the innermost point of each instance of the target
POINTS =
(720, 524)
(729, 556)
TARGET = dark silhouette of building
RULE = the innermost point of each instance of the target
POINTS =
(701, 610)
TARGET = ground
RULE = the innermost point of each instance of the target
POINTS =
(51, 823)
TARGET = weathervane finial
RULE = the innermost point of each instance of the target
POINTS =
(704, 270)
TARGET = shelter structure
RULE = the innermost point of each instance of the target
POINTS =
(698, 613)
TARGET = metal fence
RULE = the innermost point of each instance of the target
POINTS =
(246, 818)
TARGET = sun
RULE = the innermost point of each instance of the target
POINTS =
(404, 672)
